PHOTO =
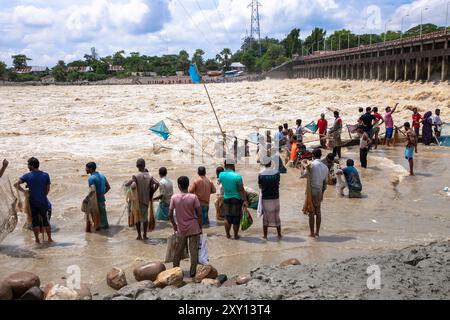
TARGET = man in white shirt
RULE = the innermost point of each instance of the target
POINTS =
(319, 180)
(437, 123)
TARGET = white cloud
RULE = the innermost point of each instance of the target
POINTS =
(32, 16)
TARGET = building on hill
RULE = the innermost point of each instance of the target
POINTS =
(115, 68)
(82, 69)
(237, 66)
(31, 70)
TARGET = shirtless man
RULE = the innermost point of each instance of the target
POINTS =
(410, 146)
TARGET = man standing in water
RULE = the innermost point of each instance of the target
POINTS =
(379, 120)
(202, 187)
(235, 198)
(188, 224)
(165, 194)
(4, 166)
(416, 120)
(99, 181)
(38, 183)
(319, 180)
(410, 146)
(322, 125)
(389, 124)
(335, 133)
(146, 185)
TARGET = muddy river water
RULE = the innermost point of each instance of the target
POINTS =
(65, 127)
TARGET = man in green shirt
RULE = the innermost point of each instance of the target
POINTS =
(235, 198)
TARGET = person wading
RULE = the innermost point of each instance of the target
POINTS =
(202, 187)
(411, 144)
(235, 198)
(102, 187)
(187, 223)
(165, 194)
(319, 178)
(146, 186)
(38, 183)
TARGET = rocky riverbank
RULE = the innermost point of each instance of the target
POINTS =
(417, 272)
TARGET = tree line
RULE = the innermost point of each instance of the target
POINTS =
(256, 56)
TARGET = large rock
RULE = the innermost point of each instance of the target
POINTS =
(148, 271)
(5, 291)
(84, 292)
(211, 282)
(34, 293)
(116, 279)
(290, 262)
(134, 289)
(222, 278)
(58, 292)
(205, 272)
(47, 288)
(20, 282)
(171, 277)
(229, 283)
(243, 279)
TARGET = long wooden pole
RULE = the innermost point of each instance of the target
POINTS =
(214, 110)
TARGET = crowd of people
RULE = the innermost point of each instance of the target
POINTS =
(188, 210)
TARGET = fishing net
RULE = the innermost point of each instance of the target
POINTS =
(444, 139)
(8, 212)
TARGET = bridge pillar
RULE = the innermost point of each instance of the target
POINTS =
(347, 71)
(379, 71)
(371, 71)
(417, 77)
(444, 69)
(387, 70)
(396, 70)
(405, 75)
(357, 71)
(429, 70)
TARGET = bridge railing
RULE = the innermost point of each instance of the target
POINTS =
(424, 37)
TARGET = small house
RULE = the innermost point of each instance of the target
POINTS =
(29, 70)
(237, 66)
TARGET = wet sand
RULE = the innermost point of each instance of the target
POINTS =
(69, 126)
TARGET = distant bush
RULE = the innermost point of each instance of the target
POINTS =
(25, 77)
(91, 76)
(122, 74)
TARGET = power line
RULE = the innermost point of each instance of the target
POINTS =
(203, 14)
(193, 22)
(221, 18)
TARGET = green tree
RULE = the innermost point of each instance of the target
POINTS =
(3, 69)
(197, 58)
(224, 58)
(212, 65)
(313, 41)
(249, 60)
(292, 43)
(60, 71)
(426, 28)
(183, 61)
(20, 60)
(118, 58)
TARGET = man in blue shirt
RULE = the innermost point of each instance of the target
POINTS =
(101, 188)
(353, 182)
(38, 183)
(279, 138)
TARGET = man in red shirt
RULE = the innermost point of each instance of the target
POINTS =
(322, 124)
(416, 120)
(378, 122)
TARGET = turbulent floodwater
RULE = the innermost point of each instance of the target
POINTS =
(65, 127)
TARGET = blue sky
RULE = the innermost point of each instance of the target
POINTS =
(50, 30)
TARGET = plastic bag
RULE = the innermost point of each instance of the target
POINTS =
(246, 220)
(259, 211)
(203, 257)
(172, 243)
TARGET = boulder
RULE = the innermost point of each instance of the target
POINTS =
(84, 292)
(243, 279)
(116, 279)
(20, 282)
(211, 282)
(134, 289)
(205, 272)
(229, 283)
(171, 277)
(290, 262)
(5, 291)
(58, 292)
(222, 278)
(148, 271)
(47, 288)
(34, 293)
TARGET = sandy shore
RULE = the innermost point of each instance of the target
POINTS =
(416, 272)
